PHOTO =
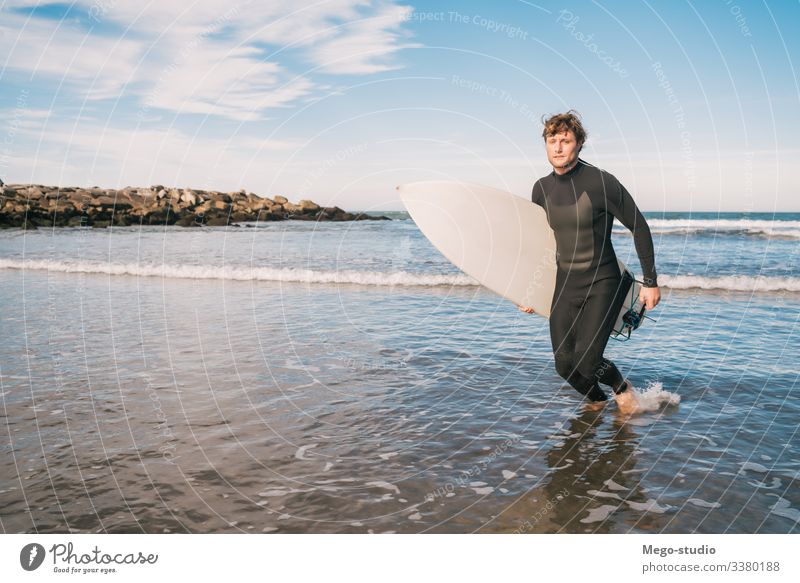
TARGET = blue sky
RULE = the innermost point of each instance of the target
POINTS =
(693, 106)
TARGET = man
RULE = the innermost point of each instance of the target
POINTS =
(581, 202)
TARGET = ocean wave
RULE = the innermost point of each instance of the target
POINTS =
(743, 283)
(755, 228)
(244, 273)
(771, 234)
(725, 223)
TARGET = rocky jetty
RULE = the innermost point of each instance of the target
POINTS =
(32, 205)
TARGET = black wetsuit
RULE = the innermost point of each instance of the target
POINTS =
(581, 206)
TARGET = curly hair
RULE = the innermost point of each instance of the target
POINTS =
(562, 122)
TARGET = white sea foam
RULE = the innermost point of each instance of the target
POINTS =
(301, 452)
(783, 508)
(612, 485)
(599, 514)
(483, 491)
(703, 504)
(653, 397)
(724, 223)
(243, 273)
(743, 283)
(649, 506)
(600, 494)
(764, 233)
(753, 466)
(754, 227)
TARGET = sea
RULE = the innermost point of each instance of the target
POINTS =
(303, 377)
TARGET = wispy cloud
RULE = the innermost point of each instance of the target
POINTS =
(212, 57)
(90, 66)
(365, 45)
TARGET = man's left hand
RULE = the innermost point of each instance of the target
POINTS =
(649, 296)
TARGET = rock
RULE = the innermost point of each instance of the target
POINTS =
(29, 205)
(269, 215)
(99, 214)
(64, 208)
(203, 208)
(155, 217)
(220, 196)
(138, 201)
(330, 212)
(102, 201)
(188, 197)
(217, 221)
(241, 217)
(308, 206)
(264, 204)
(365, 217)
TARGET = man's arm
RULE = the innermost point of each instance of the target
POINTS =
(537, 194)
(622, 206)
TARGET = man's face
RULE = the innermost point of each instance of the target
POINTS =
(562, 149)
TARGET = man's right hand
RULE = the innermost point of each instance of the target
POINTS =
(524, 309)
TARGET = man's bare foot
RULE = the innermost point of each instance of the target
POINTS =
(627, 402)
(595, 405)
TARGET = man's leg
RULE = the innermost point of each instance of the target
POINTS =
(562, 337)
(608, 374)
(595, 323)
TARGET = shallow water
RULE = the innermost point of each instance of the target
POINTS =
(176, 404)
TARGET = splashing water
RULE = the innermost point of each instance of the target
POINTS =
(652, 397)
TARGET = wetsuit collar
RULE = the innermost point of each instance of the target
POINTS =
(571, 173)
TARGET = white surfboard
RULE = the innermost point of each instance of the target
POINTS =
(501, 240)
